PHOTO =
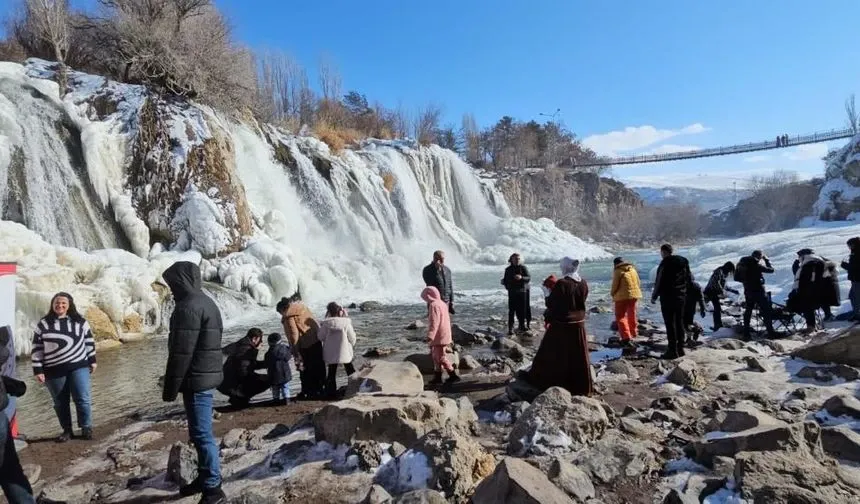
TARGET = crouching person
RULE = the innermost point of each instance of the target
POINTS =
(439, 335)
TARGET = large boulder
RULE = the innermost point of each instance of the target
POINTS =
(387, 419)
(803, 438)
(101, 325)
(390, 378)
(181, 464)
(516, 482)
(840, 405)
(571, 479)
(521, 390)
(782, 477)
(454, 465)
(557, 421)
(840, 348)
(615, 456)
(687, 374)
(424, 361)
(462, 337)
(841, 442)
(741, 419)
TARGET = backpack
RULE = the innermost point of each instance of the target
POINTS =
(741, 270)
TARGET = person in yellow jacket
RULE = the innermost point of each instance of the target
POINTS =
(625, 293)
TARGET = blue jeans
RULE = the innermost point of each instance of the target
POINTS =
(198, 409)
(77, 385)
(281, 392)
(15, 485)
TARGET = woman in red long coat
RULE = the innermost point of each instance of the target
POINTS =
(562, 359)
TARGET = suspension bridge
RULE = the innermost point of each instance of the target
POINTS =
(791, 141)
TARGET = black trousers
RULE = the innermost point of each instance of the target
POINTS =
(758, 299)
(718, 311)
(518, 303)
(331, 379)
(313, 377)
(809, 316)
(673, 317)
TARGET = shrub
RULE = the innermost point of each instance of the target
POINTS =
(336, 138)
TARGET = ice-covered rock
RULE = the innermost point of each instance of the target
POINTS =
(389, 378)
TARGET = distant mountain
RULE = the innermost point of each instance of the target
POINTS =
(707, 199)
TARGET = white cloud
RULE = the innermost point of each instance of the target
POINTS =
(634, 138)
(760, 158)
(807, 152)
(672, 148)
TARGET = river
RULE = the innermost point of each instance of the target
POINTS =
(126, 380)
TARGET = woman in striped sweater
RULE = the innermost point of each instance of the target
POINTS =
(64, 355)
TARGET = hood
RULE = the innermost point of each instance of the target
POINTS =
(183, 278)
(430, 294)
(623, 266)
(673, 259)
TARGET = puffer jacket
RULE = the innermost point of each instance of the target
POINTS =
(194, 344)
(338, 339)
(300, 326)
(625, 283)
(439, 321)
(240, 364)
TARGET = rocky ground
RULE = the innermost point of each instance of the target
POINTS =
(733, 421)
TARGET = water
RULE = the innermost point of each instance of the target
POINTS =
(127, 378)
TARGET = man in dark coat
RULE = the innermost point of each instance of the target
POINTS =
(240, 382)
(436, 274)
(12, 479)
(716, 289)
(816, 285)
(752, 271)
(194, 369)
(516, 281)
(673, 279)
(852, 266)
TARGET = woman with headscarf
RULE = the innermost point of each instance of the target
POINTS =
(562, 359)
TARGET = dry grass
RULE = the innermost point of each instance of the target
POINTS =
(388, 181)
(337, 138)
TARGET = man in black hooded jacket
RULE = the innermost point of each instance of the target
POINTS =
(12, 479)
(673, 279)
(194, 369)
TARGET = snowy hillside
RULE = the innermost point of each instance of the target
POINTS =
(706, 199)
(112, 166)
(839, 198)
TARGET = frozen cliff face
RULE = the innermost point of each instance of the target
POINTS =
(267, 212)
(839, 198)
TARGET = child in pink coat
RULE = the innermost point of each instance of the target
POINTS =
(438, 335)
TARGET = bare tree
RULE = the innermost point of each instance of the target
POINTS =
(777, 180)
(426, 124)
(851, 112)
(331, 83)
(50, 23)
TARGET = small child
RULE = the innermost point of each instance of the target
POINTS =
(438, 335)
(278, 364)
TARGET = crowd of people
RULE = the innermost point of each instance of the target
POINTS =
(64, 354)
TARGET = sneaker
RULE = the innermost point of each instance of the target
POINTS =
(87, 433)
(213, 496)
(193, 488)
(669, 355)
(64, 437)
(681, 352)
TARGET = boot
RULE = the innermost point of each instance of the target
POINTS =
(452, 377)
(510, 331)
(65, 436)
(437, 378)
(669, 355)
(213, 496)
(193, 488)
(87, 433)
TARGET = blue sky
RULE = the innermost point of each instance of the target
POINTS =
(660, 74)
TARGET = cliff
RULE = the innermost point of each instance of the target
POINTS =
(582, 203)
(773, 209)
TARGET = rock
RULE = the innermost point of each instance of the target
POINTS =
(615, 456)
(146, 438)
(841, 442)
(516, 482)
(132, 323)
(369, 306)
(289, 455)
(418, 324)
(516, 353)
(803, 438)
(737, 420)
(783, 477)
(181, 464)
(828, 373)
(377, 495)
(392, 378)
(455, 464)
(68, 494)
(725, 344)
(424, 362)
(241, 439)
(386, 419)
(724, 466)
(521, 390)
(368, 453)
(843, 406)
(802, 392)
(517, 409)
(377, 352)
(724, 377)
(794, 406)
(686, 374)
(674, 403)
(468, 363)
(697, 488)
(571, 479)
(667, 416)
(774, 345)
(623, 367)
(636, 428)
(101, 325)
(840, 348)
(122, 457)
(465, 338)
(396, 449)
(421, 496)
(558, 421)
(754, 364)
(33, 472)
(599, 309)
(506, 345)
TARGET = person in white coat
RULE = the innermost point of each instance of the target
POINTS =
(338, 338)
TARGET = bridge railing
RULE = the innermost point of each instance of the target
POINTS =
(822, 136)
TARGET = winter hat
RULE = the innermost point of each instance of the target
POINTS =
(757, 254)
(617, 261)
(274, 338)
(805, 251)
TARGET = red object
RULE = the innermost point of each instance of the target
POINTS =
(550, 281)
(13, 426)
(625, 316)
(7, 268)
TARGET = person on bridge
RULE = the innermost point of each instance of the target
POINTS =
(516, 281)
(779, 141)
(625, 292)
(673, 279)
